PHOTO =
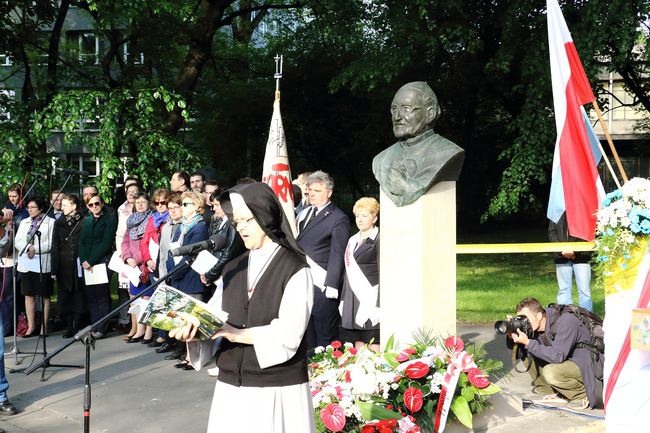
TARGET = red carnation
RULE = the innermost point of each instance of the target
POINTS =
(337, 354)
(477, 378)
(336, 344)
(368, 428)
(413, 399)
(352, 351)
(455, 343)
(417, 370)
(333, 416)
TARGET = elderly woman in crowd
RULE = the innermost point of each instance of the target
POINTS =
(71, 301)
(35, 233)
(193, 229)
(360, 296)
(96, 247)
(268, 295)
(132, 256)
(123, 213)
(167, 233)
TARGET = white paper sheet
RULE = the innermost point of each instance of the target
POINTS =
(133, 274)
(154, 248)
(116, 264)
(204, 262)
(29, 265)
(173, 245)
(97, 275)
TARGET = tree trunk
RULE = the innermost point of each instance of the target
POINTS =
(53, 51)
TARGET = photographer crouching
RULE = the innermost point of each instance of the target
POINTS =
(566, 365)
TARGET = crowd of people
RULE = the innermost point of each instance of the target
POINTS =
(303, 278)
(60, 249)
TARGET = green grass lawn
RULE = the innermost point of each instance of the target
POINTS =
(489, 286)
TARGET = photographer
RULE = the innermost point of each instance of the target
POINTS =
(561, 366)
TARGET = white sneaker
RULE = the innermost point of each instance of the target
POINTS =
(214, 372)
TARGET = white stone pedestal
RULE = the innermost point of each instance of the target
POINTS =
(418, 265)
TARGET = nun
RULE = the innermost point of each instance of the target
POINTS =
(262, 349)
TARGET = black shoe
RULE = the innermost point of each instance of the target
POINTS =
(6, 408)
(176, 355)
(146, 340)
(69, 334)
(155, 343)
(135, 339)
(165, 347)
(181, 364)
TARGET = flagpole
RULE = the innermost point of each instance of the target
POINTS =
(278, 75)
(611, 146)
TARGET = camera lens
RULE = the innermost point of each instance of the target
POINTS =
(501, 327)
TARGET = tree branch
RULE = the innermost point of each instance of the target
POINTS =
(265, 7)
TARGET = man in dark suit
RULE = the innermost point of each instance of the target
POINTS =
(323, 232)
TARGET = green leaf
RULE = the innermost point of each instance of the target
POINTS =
(460, 408)
(391, 359)
(488, 390)
(390, 343)
(371, 411)
(468, 393)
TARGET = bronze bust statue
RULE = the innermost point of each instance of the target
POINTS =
(421, 158)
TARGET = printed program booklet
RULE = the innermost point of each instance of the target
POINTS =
(166, 303)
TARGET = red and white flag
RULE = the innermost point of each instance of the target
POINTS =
(575, 186)
(276, 171)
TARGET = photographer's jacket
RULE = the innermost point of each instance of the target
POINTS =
(569, 331)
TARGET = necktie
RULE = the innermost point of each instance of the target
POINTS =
(308, 218)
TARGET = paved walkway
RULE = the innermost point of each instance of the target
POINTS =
(134, 390)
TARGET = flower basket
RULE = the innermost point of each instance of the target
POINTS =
(411, 390)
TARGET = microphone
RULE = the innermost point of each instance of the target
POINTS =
(73, 171)
(215, 242)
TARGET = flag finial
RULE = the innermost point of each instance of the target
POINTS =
(278, 74)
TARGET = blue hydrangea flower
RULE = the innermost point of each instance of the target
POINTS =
(635, 227)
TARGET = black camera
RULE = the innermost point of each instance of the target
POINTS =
(512, 325)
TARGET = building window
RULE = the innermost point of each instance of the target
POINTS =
(5, 60)
(84, 46)
(620, 108)
(5, 97)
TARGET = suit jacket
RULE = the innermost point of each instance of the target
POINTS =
(324, 241)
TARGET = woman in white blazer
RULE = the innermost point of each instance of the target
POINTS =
(34, 265)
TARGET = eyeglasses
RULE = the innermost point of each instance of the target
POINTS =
(244, 221)
(404, 109)
(95, 203)
(188, 203)
(160, 203)
(173, 207)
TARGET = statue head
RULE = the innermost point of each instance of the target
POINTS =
(414, 110)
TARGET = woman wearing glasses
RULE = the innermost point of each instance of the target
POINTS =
(96, 247)
(34, 236)
(136, 224)
(268, 295)
(193, 229)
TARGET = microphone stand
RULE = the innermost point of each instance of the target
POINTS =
(47, 364)
(86, 338)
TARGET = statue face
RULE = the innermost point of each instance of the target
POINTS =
(409, 115)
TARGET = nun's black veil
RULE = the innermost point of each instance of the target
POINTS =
(267, 211)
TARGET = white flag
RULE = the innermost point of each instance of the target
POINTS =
(276, 172)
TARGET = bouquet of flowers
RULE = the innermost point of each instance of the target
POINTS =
(623, 221)
(405, 391)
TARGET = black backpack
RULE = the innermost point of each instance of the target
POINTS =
(592, 322)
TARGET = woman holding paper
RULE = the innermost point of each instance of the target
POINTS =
(71, 302)
(132, 256)
(268, 295)
(360, 296)
(95, 250)
(34, 235)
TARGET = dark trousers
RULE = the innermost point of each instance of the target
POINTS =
(323, 325)
(98, 304)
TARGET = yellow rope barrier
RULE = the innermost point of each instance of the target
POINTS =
(546, 247)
